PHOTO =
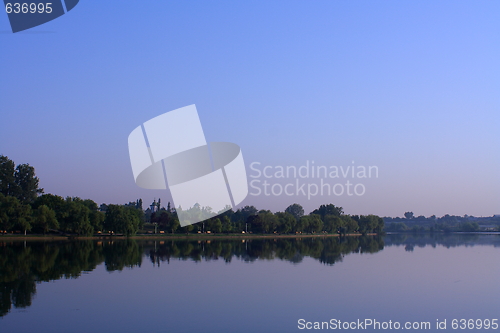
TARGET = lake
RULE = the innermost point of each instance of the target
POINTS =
(251, 285)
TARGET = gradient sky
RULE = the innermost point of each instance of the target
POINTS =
(411, 87)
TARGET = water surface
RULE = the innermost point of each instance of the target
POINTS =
(250, 285)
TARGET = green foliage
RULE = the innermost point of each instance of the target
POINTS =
(295, 210)
(329, 209)
(369, 223)
(78, 218)
(8, 186)
(44, 220)
(332, 223)
(397, 226)
(255, 224)
(214, 225)
(54, 202)
(119, 219)
(349, 224)
(286, 222)
(315, 223)
(268, 222)
(96, 220)
(19, 182)
(19, 189)
(408, 215)
(14, 215)
(468, 226)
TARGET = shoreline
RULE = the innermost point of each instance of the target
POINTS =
(17, 237)
(168, 236)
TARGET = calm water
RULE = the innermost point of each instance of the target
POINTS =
(247, 285)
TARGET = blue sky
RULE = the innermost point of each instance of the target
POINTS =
(410, 87)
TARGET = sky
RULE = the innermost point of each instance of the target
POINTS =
(410, 87)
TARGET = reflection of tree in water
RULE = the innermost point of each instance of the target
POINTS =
(22, 265)
(412, 240)
(328, 250)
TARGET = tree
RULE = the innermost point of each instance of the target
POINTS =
(369, 223)
(397, 226)
(96, 220)
(315, 223)
(20, 182)
(302, 224)
(216, 225)
(121, 220)
(349, 224)
(269, 221)
(296, 210)
(45, 219)
(286, 222)
(409, 215)
(139, 213)
(379, 225)
(227, 226)
(242, 215)
(468, 226)
(8, 186)
(255, 223)
(173, 224)
(14, 215)
(56, 203)
(187, 229)
(332, 223)
(77, 220)
(329, 209)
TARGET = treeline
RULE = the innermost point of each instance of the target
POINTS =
(23, 209)
(446, 223)
(325, 219)
(74, 216)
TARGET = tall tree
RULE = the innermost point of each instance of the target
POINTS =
(409, 215)
(27, 183)
(19, 182)
(329, 209)
(8, 186)
(296, 210)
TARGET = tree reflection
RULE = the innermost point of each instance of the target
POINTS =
(411, 241)
(23, 265)
(328, 250)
